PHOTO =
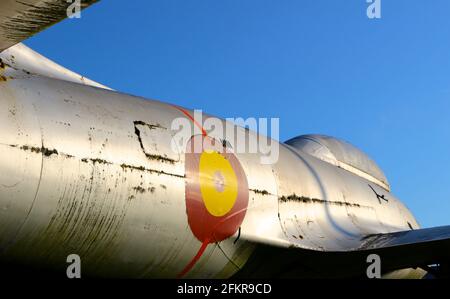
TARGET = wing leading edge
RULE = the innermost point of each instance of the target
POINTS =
(21, 19)
(400, 250)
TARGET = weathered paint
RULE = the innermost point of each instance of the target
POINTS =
(91, 171)
(21, 19)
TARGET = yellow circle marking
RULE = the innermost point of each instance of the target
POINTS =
(218, 183)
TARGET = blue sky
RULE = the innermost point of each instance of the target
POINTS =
(321, 66)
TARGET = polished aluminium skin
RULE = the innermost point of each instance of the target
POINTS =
(90, 171)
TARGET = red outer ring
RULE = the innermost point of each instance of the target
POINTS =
(206, 227)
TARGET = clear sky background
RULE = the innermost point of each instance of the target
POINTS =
(321, 66)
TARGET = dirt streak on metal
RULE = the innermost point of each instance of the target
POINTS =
(33, 18)
(47, 152)
(305, 199)
(87, 218)
(138, 134)
(262, 192)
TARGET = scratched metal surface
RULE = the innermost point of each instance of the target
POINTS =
(25, 60)
(90, 171)
(103, 181)
(327, 208)
(20, 19)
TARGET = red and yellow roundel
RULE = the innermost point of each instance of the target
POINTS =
(216, 190)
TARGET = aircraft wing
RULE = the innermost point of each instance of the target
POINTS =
(415, 248)
(21, 19)
(400, 250)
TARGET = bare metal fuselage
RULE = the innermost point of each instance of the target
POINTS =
(90, 171)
